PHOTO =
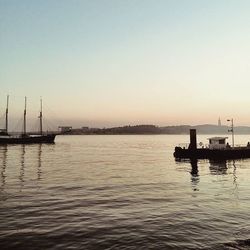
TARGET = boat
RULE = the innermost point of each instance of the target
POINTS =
(24, 137)
(217, 149)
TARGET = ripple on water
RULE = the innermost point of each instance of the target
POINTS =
(120, 192)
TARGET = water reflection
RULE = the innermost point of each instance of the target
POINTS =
(234, 173)
(194, 171)
(218, 167)
(221, 167)
(22, 162)
(3, 153)
(39, 166)
(195, 179)
(22, 168)
(235, 183)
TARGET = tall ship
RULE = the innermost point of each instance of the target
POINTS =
(24, 137)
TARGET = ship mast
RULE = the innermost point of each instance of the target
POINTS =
(24, 117)
(41, 116)
(6, 114)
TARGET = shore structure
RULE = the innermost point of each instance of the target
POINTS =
(24, 137)
(217, 149)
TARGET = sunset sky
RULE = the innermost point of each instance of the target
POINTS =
(117, 62)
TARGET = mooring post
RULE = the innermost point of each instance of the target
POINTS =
(193, 141)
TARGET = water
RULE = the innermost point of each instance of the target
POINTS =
(121, 192)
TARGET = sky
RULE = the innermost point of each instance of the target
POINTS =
(117, 62)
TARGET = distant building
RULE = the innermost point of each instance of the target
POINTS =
(65, 129)
(85, 129)
(219, 122)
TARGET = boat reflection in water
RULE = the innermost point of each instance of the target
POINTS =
(215, 167)
(22, 167)
(218, 167)
(39, 162)
(195, 179)
(3, 157)
(39, 166)
(20, 151)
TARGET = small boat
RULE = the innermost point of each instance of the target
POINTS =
(217, 149)
(24, 137)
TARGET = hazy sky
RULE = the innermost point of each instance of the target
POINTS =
(114, 62)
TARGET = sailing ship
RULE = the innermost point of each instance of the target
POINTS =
(24, 137)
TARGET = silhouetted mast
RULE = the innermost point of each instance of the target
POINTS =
(232, 130)
(6, 114)
(41, 116)
(24, 117)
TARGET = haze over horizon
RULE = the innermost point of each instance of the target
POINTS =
(112, 63)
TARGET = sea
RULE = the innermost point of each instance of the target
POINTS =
(121, 192)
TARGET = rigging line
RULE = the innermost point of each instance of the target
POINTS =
(54, 115)
(35, 126)
(48, 125)
(17, 125)
(2, 116)
(51, 126)
(2, 121)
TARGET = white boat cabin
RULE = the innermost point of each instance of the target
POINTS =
(217, 142)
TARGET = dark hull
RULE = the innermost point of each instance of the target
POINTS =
(28, 139)
(217, 154)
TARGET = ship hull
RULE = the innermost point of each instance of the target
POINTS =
(28, 139)
(217, 154)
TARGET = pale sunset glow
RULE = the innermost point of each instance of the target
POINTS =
(103, 63)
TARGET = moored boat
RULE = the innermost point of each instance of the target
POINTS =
(24, 137)
(217, 149)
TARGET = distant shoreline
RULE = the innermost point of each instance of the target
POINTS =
(205, 129)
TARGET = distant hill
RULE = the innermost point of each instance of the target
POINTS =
(152, 129)
(214, 129)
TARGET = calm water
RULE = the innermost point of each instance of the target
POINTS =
(121, 192)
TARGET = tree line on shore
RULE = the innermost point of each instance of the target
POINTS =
(153, 129)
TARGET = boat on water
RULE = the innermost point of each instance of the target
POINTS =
(24, 137)
(217, 149)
